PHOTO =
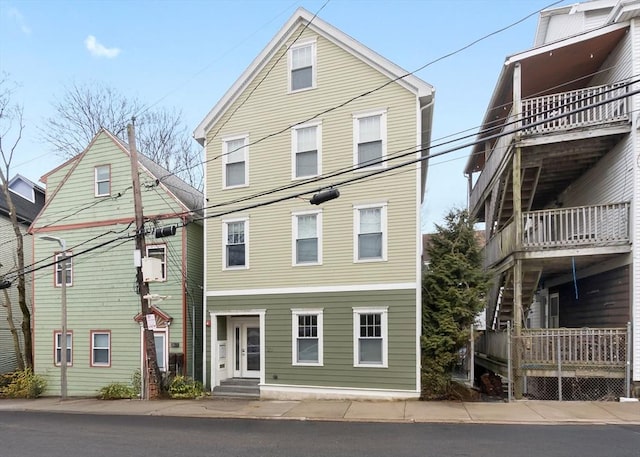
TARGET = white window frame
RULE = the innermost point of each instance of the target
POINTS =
(294, 150)
(163, 247)
(356, 231)
(294, 237)
(314, 64)
(98, 181)
(163, 364)
(382, 113)
(57, 347)
(94, 347)
(57, 268)
(225, 226)
(384, 331)
(295, 313)
(225, 160)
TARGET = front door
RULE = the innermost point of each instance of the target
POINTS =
(246, 344)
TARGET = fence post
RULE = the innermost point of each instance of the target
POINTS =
(628, 363)
(509, 367)
(558, 355)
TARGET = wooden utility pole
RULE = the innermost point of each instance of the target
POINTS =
(517, 220)
(151, 373)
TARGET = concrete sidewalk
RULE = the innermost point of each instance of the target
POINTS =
(518, 412)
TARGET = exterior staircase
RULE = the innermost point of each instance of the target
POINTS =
(246, 388)
(502, 307)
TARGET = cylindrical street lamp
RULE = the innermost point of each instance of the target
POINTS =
(63, 331)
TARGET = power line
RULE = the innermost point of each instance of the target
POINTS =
(391, 168)
(420, 159)
(411, 151)
(364, 94)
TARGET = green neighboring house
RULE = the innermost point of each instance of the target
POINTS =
(28, 199)
(315, 301)
(89, 202)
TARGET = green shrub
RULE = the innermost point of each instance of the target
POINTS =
(182, 387)
(136, 382)
(22, 384)
(116, 391)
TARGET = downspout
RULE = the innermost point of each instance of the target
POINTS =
(426, 113)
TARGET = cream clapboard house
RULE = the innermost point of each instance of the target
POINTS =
(556, 179)
(89, 205)
(315, 300)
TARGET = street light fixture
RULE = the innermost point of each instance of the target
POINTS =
(63, 335)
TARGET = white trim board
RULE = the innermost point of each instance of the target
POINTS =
(292, 392)
(313, 289)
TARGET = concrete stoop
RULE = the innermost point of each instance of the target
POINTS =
(246, 388)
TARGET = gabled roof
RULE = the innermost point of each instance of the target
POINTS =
(188, 197)
(27, 208)
(301, 17)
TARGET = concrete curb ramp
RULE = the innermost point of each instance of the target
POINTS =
(519, 412)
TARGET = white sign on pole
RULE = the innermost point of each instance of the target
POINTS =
(151, 321)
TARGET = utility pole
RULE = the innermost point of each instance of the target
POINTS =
(151, 372)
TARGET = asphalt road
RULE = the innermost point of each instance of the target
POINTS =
(31, 434)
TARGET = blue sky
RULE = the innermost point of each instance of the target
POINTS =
(185, 54)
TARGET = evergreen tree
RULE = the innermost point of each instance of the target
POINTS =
(453, 292)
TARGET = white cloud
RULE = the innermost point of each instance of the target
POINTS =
(16, 15)
(99, 50)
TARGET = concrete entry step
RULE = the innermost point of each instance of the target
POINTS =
(238, 387)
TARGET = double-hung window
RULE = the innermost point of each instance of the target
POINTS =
(302, 66)
(235, 152)
(159, 251)
(58, 350)
(102, 174)
(307, 331)
(100, 348)
(370, 234)
(60, 264)
(370, 337)
(235, 240)
(306, 158)
(370, 140)
(307, 238)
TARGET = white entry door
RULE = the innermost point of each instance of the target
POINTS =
(246, 347)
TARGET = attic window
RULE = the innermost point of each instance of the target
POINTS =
(302, 66)
(103, 180)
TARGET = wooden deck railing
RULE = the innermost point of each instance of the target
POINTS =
(550, 113)
(557, 108)
(494, 345)
(500, 245)
(581, 225)
(598, 347)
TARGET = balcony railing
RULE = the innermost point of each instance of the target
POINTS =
(571, 346)
(573, 109)
(597, 347)
(550, 113)
(581, 225)
(562, 228)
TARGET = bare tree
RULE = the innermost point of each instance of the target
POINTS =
(85, 108)
(11, 127)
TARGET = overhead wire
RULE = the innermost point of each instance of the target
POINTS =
(424, 66)
(366, 93)
(370, 174)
